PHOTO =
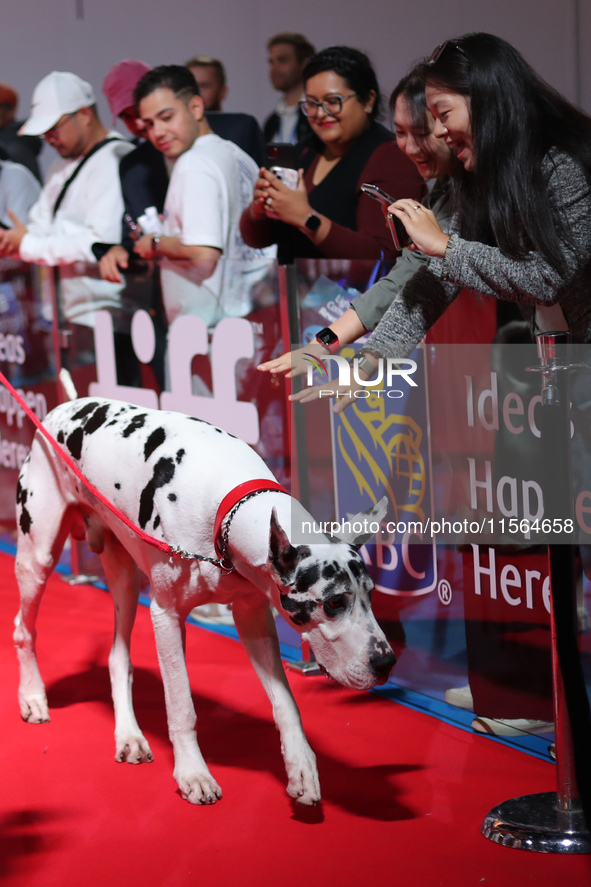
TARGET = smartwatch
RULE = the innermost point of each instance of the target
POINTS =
(329, 339)
(313, 222)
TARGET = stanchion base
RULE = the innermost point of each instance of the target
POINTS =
(309, 669)
(82, 579)
(532, 822)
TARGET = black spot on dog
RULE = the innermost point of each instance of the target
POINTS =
(74, 442)
(299, 612)
(25, 521)
(60, 436)
(136, 423)
(21, 494)
(172, 497)
(85, 411)
(329, 570)
(156, 523)
(155, 440)
(163, 474)
(356, 568)
(117, 486)
(179, 456)
(306, 577)
(98, 419)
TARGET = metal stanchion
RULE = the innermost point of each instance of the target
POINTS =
(290, 328)
(553, 822)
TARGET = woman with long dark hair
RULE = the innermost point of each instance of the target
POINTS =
(521, 229)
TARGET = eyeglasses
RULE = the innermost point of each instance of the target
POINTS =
(332, 104)
(439, 50)
(51, 133)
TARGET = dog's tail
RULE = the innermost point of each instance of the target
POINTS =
(67, 384)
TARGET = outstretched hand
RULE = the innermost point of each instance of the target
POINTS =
(293, 363)
(344, 394)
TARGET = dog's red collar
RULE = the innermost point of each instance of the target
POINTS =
(234, 497)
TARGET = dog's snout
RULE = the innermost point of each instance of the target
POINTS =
(381, 664)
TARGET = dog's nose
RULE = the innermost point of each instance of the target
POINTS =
(381, 665)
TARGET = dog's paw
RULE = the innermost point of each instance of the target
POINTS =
(304, 791)
(34, 708)
(133, 750)
(199, 789)
(303, 785)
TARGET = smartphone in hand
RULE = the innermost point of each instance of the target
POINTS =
(397, 230)
(289, 177)
(135, 228)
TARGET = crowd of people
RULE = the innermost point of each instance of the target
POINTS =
(490, 168)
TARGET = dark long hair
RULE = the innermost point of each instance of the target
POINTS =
(412, 87)
(516, 119)
(353, 66)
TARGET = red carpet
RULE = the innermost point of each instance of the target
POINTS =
(404, 794)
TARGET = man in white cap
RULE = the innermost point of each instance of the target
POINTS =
(81, 201)
(80, 205)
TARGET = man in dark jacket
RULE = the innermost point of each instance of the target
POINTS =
(288, 54)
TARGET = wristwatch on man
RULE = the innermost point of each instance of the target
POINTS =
(329, 339)
(313, 222)
(156, 243)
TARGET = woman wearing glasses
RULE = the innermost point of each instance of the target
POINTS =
(435, 161)
(328, 216)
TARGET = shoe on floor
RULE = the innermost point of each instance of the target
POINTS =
(510, 726)
(461, 697)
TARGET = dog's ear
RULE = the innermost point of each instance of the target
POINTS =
(372, 516)
(282, 554)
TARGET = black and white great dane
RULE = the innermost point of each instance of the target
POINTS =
(168, 473)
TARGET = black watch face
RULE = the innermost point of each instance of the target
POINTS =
(313, 223)
(327, 337)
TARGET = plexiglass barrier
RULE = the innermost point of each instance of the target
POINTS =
(466, 607)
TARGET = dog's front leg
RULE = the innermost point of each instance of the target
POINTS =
(256, 627)
(195, 782)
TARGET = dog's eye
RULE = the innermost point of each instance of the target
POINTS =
(335, 605)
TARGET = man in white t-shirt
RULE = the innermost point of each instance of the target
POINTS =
(80, 203)
(212, 181)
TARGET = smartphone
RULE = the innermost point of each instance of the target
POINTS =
(399, 233)
(134, 227)
(289, 177)
(282, 154)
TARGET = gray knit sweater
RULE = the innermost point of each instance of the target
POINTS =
(529, 282)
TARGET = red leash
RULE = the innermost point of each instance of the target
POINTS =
(229, 501)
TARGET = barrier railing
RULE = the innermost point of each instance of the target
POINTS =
(468, 614)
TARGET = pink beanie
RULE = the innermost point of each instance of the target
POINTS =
(120, 82)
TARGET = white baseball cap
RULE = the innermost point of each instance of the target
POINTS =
(57, 94)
